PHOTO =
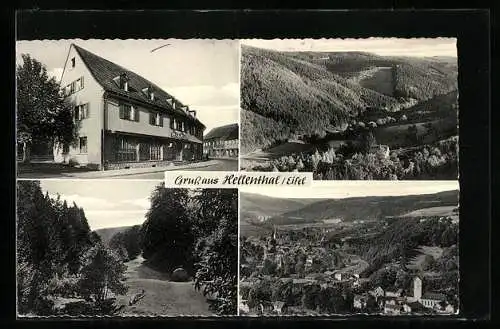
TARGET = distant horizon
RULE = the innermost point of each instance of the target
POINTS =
(385, 47)
(354, 189)
(350, 51)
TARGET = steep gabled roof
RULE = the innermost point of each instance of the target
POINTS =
(227, 132)
(105, 71)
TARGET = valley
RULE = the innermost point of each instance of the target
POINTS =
(353, 255)
(295, 106)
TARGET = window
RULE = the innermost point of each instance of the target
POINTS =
(73, 61)
(149, 152)
(155, 119)
(155, 152)
(83, 144)
(128, 112)
(81, 112)
(126, 150)
(175, 124)
(79, 84)
(72, 87)
(65, 149)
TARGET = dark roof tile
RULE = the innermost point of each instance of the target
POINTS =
(227, 132)
(105, 71)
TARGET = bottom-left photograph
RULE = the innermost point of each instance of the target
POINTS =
(125, 248)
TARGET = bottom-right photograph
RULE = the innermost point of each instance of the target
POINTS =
(350, 247)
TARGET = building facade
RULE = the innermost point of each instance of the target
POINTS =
(124, 120)
(222, 142)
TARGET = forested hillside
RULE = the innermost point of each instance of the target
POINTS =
(289, 93)
(366, 208)
(59, 257)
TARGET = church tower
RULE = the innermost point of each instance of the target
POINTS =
(417, 288)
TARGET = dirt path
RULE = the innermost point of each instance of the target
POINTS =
(162, 297)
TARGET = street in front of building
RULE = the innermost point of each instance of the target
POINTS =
(219, 165)
(52, 170)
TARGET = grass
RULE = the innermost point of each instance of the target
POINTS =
(432, 212)
(378, 79)
(419, 261)
(395, 136)
(162, 297)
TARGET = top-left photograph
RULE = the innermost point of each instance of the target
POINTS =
(129, 109)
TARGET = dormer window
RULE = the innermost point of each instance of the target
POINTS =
(149, 92)
(122, 81)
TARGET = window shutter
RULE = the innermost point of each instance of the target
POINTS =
(122, 111)
(136, 114)
(161, 121)
(75, 113)
(151, 119)
(86, 110)
(81, 83)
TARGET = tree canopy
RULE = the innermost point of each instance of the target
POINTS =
(43, 113)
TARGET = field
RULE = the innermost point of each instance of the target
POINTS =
(432, 211)
(419, 262)
(378, 79)
(396, 135)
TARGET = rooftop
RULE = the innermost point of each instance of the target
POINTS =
(105, 71)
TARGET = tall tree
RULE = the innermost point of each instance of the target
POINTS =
(43, 113)
(167, 231)
(367, 141)
(217, 252)
(102, 273)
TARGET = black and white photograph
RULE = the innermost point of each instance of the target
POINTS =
(126, 108)
(93, 248)
(346, 248)
(351, 109)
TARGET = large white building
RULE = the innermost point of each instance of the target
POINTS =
(124, 120)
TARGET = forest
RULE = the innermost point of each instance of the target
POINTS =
(290, 94)
(64, 268)
(58, 256)
(356, 162)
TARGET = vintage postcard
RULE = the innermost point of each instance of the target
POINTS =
(345, 248)
(351, 109)
(126, 108)
(94, 248)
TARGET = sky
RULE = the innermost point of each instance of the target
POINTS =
(419, 47)
(105, 203)
(349, 189)
(203, 74)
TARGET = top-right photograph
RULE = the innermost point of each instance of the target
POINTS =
(350, 109)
